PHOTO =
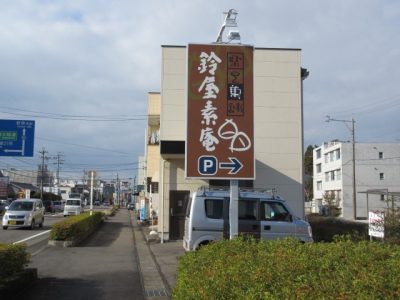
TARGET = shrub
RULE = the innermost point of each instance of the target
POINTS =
(392, 226)
(287, 269)
(13, 258)
(76, 227)
(324, 229)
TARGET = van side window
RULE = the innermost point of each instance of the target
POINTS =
(274, 211)
(248, 210)
(214, 208)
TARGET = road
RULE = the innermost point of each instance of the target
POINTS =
(37, 238)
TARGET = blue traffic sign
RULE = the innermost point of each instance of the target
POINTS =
(17, 137)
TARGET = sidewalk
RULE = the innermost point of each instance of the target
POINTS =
(157, 263)
(164, 257)
(114, 263)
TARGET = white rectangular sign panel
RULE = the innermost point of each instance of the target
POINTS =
(376, 220)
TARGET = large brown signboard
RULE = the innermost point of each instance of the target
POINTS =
(220, 109)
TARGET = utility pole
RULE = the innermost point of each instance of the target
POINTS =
(59, 162)
(43, 157)
(117, 190)
(352, 121)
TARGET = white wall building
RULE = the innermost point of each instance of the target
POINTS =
(377, 167)
(278, 132)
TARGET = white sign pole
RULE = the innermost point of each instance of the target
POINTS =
(91, 192)
(234, 209)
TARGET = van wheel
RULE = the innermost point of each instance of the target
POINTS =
(32, 224)
(41, 224)
(5, 227)
(202, 244)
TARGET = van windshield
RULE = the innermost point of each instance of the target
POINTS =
(21, 206)
(73, 202)
(188, 207)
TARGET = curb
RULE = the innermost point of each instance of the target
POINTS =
(61, 243)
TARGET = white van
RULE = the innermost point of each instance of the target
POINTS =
(73, 207)
(262, 214)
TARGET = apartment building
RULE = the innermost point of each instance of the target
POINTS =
(377, 168)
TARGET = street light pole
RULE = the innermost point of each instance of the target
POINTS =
(354, 169)
(352, 121)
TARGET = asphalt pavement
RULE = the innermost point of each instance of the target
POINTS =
(116, 262)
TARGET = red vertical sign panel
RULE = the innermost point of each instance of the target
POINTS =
(220, 110)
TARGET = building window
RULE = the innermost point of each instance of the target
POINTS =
(381, 176)
(318, 153)
(338, 174)
(382, 197)
(154, 187)
(338, 196)
(319, 185)
(332, 175)
(327, 176)
(318, 168)
(380, 155)
(337, 154)
(331, 156)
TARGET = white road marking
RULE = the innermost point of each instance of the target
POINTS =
(31, 237)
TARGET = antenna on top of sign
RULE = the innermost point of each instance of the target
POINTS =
(230, 21)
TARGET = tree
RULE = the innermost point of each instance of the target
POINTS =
(308, 160)
(392, 220)
(308, 171)
(332, 203)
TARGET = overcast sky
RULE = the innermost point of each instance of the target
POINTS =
(67, 64)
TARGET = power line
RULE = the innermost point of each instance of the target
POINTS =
(84, 146)
(385, 104)
(65, 117)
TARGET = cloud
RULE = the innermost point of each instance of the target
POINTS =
(100, 58)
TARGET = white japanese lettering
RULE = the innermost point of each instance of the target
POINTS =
(209, 62)
(208, 113)
(207, 139)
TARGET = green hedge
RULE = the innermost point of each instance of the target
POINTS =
(287, 269)
(13, 258)
(325, 229)
(75, 227)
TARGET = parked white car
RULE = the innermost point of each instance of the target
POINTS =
(24, 213)
(262, 214)
(73, 207)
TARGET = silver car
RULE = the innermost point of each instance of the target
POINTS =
(24, 213)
